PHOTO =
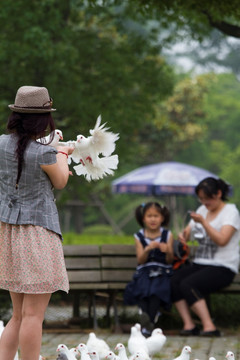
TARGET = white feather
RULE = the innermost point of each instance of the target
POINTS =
(103, 167)
(94, 152)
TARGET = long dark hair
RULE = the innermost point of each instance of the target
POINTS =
(141, 210)
(27, 127)
(210, 186)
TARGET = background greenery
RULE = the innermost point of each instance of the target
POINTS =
(108, 57)
(112, 57)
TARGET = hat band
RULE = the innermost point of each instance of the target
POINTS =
(33, 107)
(44, 106)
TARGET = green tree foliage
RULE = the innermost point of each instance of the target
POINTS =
(196, 17)
(179, 120)
(92, 63)
(218, 148)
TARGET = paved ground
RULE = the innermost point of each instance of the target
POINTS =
(202, 348)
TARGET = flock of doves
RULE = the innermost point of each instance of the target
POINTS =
(95, 348)
(139, 348)
(92, 154)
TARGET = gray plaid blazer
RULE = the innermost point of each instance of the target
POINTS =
(33, 202)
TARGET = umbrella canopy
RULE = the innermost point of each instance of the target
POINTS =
(166, 178)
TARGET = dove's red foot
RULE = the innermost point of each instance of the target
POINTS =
(89, 159)
(82, 162)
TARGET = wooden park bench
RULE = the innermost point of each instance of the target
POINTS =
(103, 271)
(99, 271)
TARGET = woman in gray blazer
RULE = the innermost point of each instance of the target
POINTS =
(31, 257)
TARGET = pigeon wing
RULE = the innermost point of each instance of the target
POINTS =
(105, 167)
(103, 140)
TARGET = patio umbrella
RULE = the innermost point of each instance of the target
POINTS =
(166, 178)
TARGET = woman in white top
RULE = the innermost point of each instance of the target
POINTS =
(216, 226)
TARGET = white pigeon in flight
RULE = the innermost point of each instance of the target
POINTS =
(93, 154)
(55, 141)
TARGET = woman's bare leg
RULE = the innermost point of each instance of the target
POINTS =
(30, 334)
(10, 336)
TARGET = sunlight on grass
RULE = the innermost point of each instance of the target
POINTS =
(92, 239)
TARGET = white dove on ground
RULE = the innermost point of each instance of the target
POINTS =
(64, 353)
(74, 351)
(139, 328)
(121, 351)
(230, 355)
(185, 353)
(87, 151)
(55, 141)
(112, 356)
(136, 342)
(94, 355)
(156, 341)
(62, 356)
(141, 355)
(96, 344)
(83, 349)
(212, 358)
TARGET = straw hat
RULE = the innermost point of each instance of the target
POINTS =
(32, 99)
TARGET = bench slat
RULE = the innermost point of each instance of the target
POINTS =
(84, 276)
(89, 286)
(82, 263)
(126, 250)
(76, 250)
(115, 275)
(119, 262)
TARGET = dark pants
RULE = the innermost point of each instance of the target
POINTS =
(193, 282)
(150, 306)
